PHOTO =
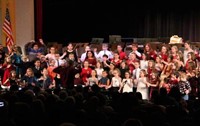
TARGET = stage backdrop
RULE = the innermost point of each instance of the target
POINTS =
(72, 20)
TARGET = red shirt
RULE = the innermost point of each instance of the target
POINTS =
(85, 73)
(117, 63)
(130, 65)
(164, 56)
(122, 55)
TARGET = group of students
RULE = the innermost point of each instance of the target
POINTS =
(139, 71)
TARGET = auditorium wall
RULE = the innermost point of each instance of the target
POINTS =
(24, 21)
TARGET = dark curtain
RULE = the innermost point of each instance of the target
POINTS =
(38, 7)
(165, 23)
(65, 20)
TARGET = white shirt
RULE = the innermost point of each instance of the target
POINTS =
(128, 85)
(136, 73)
(116, 82)
(137, 53)
(50, 56)
(58, 62)
(144, 64)
(107, 52)
(99, 72)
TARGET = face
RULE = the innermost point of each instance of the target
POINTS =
(147, 48)
(173, 49)
(150, 64)
(89, 54)
(104, 74)
(119, 48)
(134, 48)
(45, 72)
(86, 64)
(158, 59)
(29, 72)
(153, 75)
(143, 56)
(37, 63)
(136, 64)
(186, 45)
(123, 64)
(164, 49)
(93, 73)
(98, 64)
(35, 47)
(127, 75)
(115, 73)
(13, 74)
(105, 58)
(132, 56)
(168, 59)
(87, 48)
(8, 59)
(116, 55)
(104, 47)
(141, 73)
(70, 47)
(52, 50)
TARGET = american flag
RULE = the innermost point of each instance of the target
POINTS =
(7, 29)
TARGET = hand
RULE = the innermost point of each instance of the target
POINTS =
(33, 84)
(41, 78)
(65, 53)
(95, 49)
(41, 41)
(187, 91)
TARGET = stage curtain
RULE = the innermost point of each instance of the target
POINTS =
(38, 19)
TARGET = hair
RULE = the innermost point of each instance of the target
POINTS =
(126, 66)
(175, 48)
(150, 48)
(188, 42)
(84, 63)
(134, 44)
(92, 54)
(120, 45)
(105, 71)
(69, 44)
(128, 73)
(118, 71)
(144, 71)
(31, 71)
(105, 55)
(192, 55)
(35, 44)
(101, 65)
(183, 76)
(95, 73)
(11, 72)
